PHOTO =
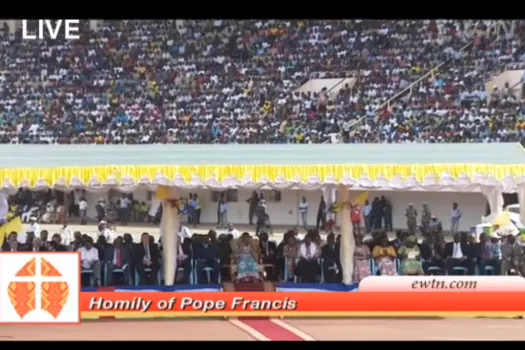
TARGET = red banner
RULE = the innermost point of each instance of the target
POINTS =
(282, 304)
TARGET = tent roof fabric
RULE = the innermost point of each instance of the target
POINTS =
(55, 156)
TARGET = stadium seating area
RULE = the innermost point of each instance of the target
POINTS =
(236, 82)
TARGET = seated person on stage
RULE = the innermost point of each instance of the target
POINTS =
(89, 259)
(270, 257)
(147, 256)
(184, 256)
(289, 255)
(245, 251)
(456, 254)
(410, 256)
(361, 259)
(56, 243)
(117, 257)
(331, 262)
(385, 256)
(12, 237)
(489, 254)
(307, 266)
(11, 246)
(207, 255)
(432, 253)
(36, 246)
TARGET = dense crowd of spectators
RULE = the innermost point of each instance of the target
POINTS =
(224, 81)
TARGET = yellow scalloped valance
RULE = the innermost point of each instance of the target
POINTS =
(256, 172)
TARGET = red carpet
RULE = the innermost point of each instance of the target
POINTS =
(261, 324)
(270, 330)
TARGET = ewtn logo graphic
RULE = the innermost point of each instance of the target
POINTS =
(39, 288)
(68, 29)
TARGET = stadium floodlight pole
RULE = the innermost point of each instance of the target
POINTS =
(347, 235)
(169, 231)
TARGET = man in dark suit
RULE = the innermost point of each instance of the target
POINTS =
(147, 256)
(331, 261)
(458, 254)
(117, 257)
(207, 255)
(269, 254)
(432, 253)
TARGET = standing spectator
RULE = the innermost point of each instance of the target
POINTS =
(367, 215)
(100, 207)
(387, 214)
(104, 230)
(262, 216)
(377, 214)
(222, 200)
(411, 215)
(232, 231)
(125, 209)
(253, 201)
(197, 210)
(321, 214)
(455, 217)
(184, 232)
(303, 212)
(355, 217)
(223, 208)
(82, 207)
(426, 215)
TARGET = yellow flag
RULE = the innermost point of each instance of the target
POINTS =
(14, 225)
(360, 199)
(503, 220)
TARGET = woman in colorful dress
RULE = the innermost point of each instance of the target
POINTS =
(246, 257)
(385, 257)
(361, 259)
(410, 256)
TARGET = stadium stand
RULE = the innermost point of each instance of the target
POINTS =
(261, 81)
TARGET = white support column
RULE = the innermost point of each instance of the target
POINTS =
(521, 201)
(169, 228)
(347, 236)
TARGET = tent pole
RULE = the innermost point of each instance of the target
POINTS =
(347, 235)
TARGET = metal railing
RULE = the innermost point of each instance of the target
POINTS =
(408, 89)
